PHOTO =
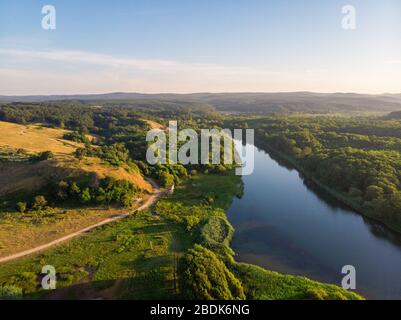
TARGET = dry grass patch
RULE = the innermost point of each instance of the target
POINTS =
(18, 177)
(35, 138)
(119, 173)
(153, 124)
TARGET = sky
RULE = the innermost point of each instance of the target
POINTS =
(182, 46)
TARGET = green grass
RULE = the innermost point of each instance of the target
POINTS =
(200, 198)
(221, 188)
(137, 251)
(262, 284)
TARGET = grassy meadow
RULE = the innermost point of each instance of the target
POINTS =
(128, 259)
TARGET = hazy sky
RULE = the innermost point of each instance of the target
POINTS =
(199, 45)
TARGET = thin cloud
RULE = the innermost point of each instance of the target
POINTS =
(116, 62)
(28, 71)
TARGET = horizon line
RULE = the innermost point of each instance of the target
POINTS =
(199, 92)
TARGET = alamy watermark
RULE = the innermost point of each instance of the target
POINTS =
(49, 280)
(348, 21)
(349, 280)
(49, 18)
(204, 150)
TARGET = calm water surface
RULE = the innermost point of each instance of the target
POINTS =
(285, 225)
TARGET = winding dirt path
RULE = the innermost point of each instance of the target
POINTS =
(151, 200)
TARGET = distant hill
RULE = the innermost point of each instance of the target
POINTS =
(263, 103)
(302, 102)
(396, 115)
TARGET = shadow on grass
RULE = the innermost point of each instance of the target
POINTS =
(155, 284)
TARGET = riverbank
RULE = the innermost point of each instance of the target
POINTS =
(330, 191)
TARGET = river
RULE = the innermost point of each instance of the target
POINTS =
(287, 225)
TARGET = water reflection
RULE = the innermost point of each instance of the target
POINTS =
(288, 224)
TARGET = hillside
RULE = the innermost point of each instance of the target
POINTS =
(28, 176)
(395, 115)
(35, 138)
(22, 178)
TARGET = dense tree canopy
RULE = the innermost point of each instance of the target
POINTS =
(205, 277)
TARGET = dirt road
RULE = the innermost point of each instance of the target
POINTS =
(151, 200)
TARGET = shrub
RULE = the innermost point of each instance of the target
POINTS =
(10, 292)
(127, 200)
(39, 203)
(27, 282)
(62, 190)
(220, 169)
(76, 137)
(74, 189)
(316, 294)
(215, 233)
(166, 179)
(85, 196)
(21, 207)
(45, 155)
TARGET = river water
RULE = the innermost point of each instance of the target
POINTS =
(285, 224)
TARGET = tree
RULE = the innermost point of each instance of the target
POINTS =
(127, 200)
(39, 203)
(167, 179)
(62, 190)
(373, 192)
(80, 153)
(21, 207)
(86, 195)
(45, 155)
(74, 189)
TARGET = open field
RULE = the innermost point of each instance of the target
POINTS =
(130, 259)
(35, 138)
(222, 188)
(141, 205)
(19, 232)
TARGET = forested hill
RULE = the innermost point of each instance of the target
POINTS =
(260, 103)
(396, 115)
(268, 103)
